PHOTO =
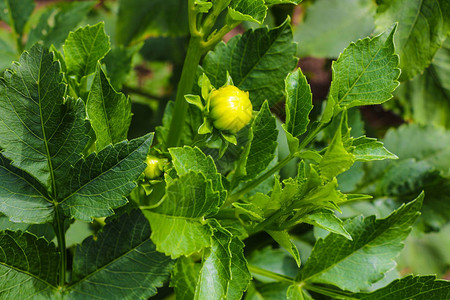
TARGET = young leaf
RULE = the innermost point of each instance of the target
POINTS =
(28, 266)
(101, 181)
(258, 61)
(108, 111)
(361, 257)
(184, 278)
(248, 10)
(284, 240)
(22, 198)
(326, 219)
(422, 28)
(84, 48)
(121, 262)
(39, 132)
(16, 13)
(367, 149)
(366, 72)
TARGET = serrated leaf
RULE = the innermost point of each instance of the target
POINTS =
(326, 219)
(65, 17)
(361, 257)
(22, 198)
(260, 149)
(121, 262)
(328, 26)
(16, 13)
(101, 181)
(240, 275)
(410, 287)
(28, 266)
(367, 149)
(422, 28)
(366, 72)
(84, 48)
(52, 132)
(248, 10)
(258, 61)
(108, 111)
(184, 278)
(284, 240)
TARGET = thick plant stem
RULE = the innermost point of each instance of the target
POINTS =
(194, 53)
(61, 237)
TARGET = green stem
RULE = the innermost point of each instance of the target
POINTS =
(61, 237)
(328, 292)
(270, 274)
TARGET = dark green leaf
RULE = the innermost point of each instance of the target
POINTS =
(248, 10)
(16, 13)
(52, 132)
(101, 181)
(84, 48)
(258, 61)
(366, 72)
(108, 111)
(361, 257)
(121, 262)
(184, 278)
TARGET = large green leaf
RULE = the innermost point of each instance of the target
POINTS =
(422, 28)
(28, 266)
(40, 132)
(258, 61)
(108, 111)
(121, 262)
(84, 48)
(138, 18)
(22, 198)
(16, 13)
(365, 259)
(366, 72)
(101, 181)
(330, 25)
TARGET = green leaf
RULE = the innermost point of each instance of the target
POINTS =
(28, 266)
(329, 26)
(138, 19)
(52, 132)
(84, 48)
(298, 106)
(16, 13)
(422, 28)
(101, 181)
(273, 2)
(258, 61)
(22, 198)
(361, 257)
(180, 217)
(410, 287)
(284, 240)
(248, 10)
(260, 149)
(184, 278)
(240, 275)
(118, 64)
(121, 262)
(366, 72)
(108, 111)
(367, 149)
(65, 17)
(326, 219)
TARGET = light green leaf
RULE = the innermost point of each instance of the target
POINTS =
(121, 262)
(28, 266)
(259, 70)
(137, 19)
(361, 257)
(260, 149)
(295, 292)
(284, 240)
(22, 198)
(84, 48)
(240, 275)
(410, 287)
(16, 13)
(327, 220)
(366, 72)
(108, 111)
(102, 180)
(65, 17)
(330, 25)
(248, 10)
(52, 132)
(184, 278)
(422, 28)
(367, 149)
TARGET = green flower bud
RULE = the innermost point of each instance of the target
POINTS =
(153, 169)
